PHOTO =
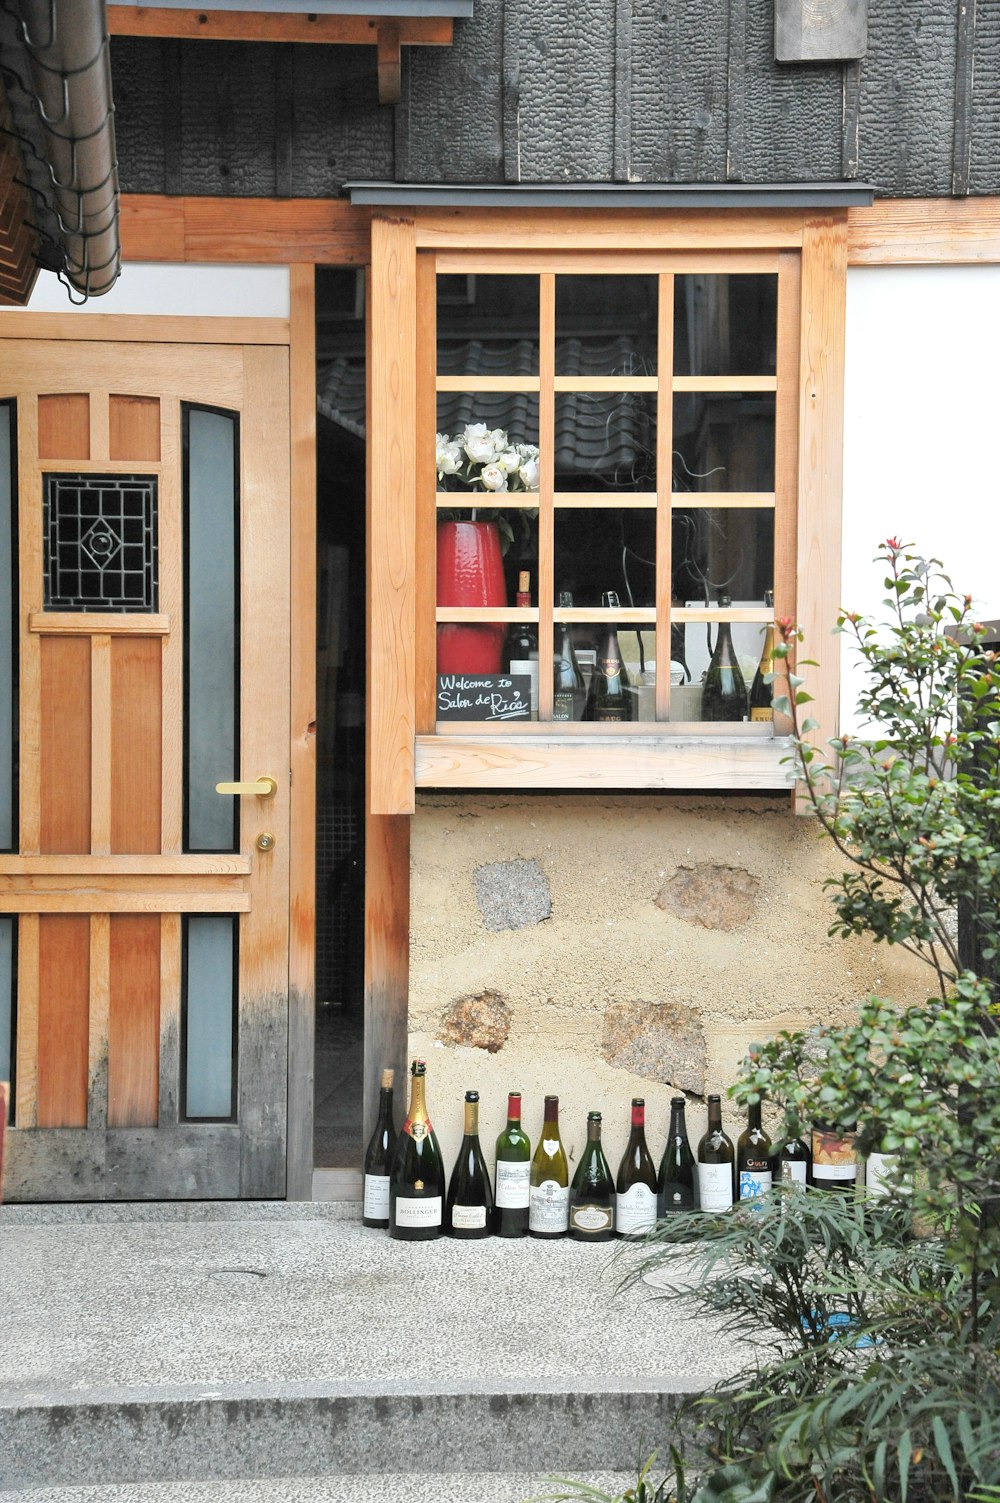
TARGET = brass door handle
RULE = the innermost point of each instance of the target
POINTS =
(263, 788)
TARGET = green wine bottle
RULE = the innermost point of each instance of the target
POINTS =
(724, 693)
(609, 698)
(569, 696)
(592, 1196)
(675, 1185)
(792, 1161)
(753, 1159)
(378, 1158)
(513, 1176)
(716, 1163)
(470, 1199)
(635, 1187)
(416, 1183)
(549, 1205)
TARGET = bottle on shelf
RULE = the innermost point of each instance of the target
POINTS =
(549, 1204)
(609, 698)
(753, 1158)
(416, 1181)
(635, 1187)
(834, 1158)
(469, 1207)
(513, 1175)
(676, 1183)
(569, 697)
(592, 1196)
(724, 692)
(521, 647)
(378, 1158)
(792, 1160)
(716, 1163)
(761, 693)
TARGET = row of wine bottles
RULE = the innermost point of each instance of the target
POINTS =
(404, 1186)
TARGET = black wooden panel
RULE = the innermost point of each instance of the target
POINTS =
(984, 173)
(679, 66)
(341, 130)
(559, 115)
(792, 114)
(137, 73)
(907, 98)
(449, 122)
(227, 129)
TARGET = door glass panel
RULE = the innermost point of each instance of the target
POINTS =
(7, 974)
(100, 542)
(210, 951)
(211, 579)
(8, 629)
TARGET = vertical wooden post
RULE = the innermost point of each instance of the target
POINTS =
(387, 955)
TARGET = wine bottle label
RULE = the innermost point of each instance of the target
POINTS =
(715, 1187)
(592, 1218)
(513, 1186)
(793, 1172)
(761, 712)
(833, 1155)
(881, 1173)
(754, 1183)
(468, 1218)
(423, 1212)
(377, 1197)
(635, 1211)
(610, 667)
(549, 1207)
(562, 707)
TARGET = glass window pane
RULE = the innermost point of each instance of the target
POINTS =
(7, 980)
(8, 631)
(209, 1015)
(605, 441)
(211, 555)
(723, 441)
(603, 549)
(721, 548)
(606, 325)
(487, 325)
(725, 325)
(617, 668)
(692, 646)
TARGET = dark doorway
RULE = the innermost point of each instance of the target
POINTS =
(340, 725)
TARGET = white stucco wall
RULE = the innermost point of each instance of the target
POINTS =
(193, 290)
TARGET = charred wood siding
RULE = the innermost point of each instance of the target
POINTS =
(575, 90)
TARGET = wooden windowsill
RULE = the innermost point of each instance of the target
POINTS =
(745, 763)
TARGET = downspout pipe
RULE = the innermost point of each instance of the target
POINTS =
(69, 63)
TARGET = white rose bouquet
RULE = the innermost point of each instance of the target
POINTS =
(484, 459)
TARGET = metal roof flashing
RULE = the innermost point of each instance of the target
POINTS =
(612, 195)
(404, 8)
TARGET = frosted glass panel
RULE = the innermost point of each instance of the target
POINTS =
(211, 540)
(209, 1012)
(6, 996)
(8, 627)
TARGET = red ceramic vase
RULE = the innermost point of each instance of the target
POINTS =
(470, 572)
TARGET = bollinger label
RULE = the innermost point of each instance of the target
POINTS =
(377, 1197)
(549, 1207)
(635, 1210)
(424, 1212)
(468, 1218)
(715, 1187)
(513, 1186)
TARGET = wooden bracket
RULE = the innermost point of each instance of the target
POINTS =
(389, 62)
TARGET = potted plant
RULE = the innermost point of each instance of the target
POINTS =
(470, 550)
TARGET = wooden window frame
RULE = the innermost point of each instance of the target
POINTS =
(406, 749)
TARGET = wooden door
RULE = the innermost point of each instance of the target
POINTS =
(153, 619)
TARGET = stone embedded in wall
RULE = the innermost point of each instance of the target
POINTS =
(512, 894)
(716, 897)
(481, 1022)
(662, 1041)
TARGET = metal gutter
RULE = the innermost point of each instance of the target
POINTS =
(613, 195)
(403, 8)
(65, 66)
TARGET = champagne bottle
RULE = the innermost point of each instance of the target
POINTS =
(761, 693)
(753, 1158)
(834, 1158)
(549, 1203)
(635, 1200)
(416, 1182)
(608, 698)
(569, 696)
(378, 1158)
(592, 1196)
(792, 1159)
(724, 693)
(470, 1199)
(675, 1186)
(513, 1178)
(716, 1163)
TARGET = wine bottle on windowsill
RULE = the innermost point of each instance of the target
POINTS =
(521, 649)
(609, 699)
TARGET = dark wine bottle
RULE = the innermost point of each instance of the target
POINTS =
(724, 693)
(522, 638)
(834, 1158)
(635, 1187)
(569, 697)
(753, 1158)
(608, 698)
(513, 1177)
(549, 1205)
(416, 1181)
(592, 1194)
(675, 1185)
(716, 1163)
(761, 693)
(470, 1199)
(792, 1159)
(378, 1158)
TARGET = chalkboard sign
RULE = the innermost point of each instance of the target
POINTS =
(484, 696)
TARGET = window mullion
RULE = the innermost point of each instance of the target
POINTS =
(546, 489)
(664, 488)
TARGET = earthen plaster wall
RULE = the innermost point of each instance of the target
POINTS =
(601, 947)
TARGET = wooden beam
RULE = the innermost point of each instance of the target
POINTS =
(262, 230)
(925, 232)
(389, 63)
(387, 956)
(260, 26)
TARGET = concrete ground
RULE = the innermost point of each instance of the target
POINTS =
(149, 1350)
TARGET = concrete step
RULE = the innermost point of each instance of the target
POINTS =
(401, 1487)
